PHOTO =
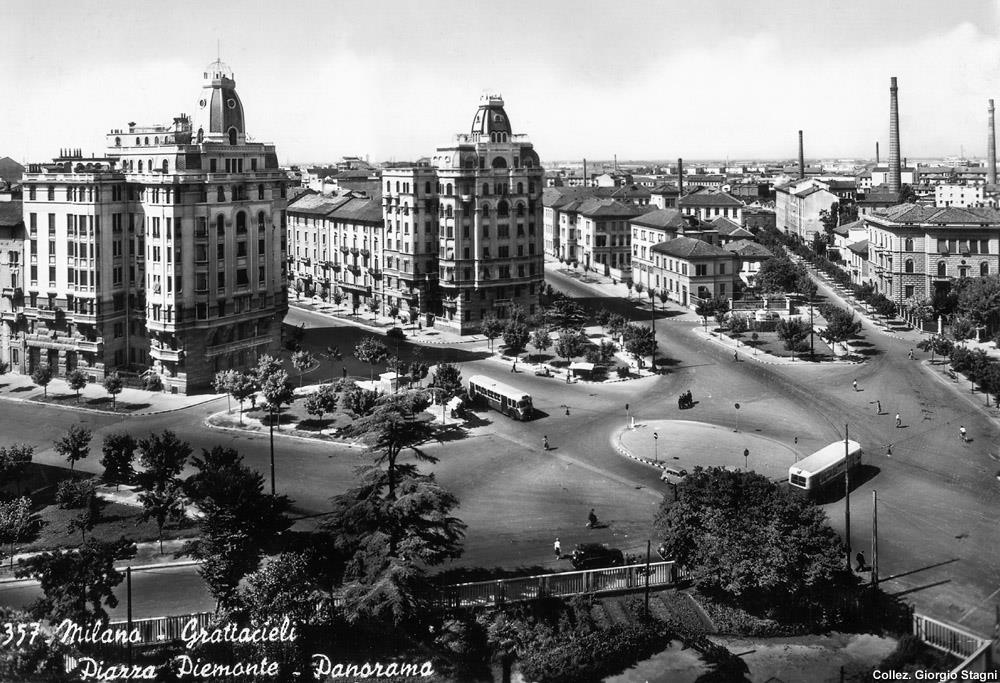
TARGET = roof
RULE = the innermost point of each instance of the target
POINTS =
(916, 213)
(364, 210)
(315, 204)
(665, 188)
(688, 247)
(853, 225)
(748, 248)
(10, 214)
(709, 198)
(859, 247)
(662, 219)
(730, 228)
(607, 207)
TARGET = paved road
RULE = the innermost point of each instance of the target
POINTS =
(936, 495)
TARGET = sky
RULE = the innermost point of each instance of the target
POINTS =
(393, 80)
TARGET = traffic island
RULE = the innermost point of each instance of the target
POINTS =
(684, 445)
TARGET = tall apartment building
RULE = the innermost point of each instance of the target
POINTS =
(166, 257)
(463, 236)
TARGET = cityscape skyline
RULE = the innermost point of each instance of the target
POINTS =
(399, 80)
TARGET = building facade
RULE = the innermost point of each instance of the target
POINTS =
(692, 270)
(166, 257)
(658, 226)
(708, 204)
(12, 242)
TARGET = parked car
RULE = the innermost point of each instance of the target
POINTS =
(596, 556)
(543, 372)
(672, 475)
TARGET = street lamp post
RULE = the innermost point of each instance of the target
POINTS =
(627, 416)
(746, 459)
(737, 428)
(656, 455)
(270, 410)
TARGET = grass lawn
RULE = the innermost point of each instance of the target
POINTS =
(101, 403)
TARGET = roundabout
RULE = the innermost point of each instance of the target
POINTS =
(684, 444)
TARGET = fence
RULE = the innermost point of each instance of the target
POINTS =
(162, 629)
(974, 651)
(612, 579)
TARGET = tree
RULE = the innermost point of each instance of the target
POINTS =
(119, 454)
(14, 460)
(89, 517)
(358, 401)
(962, 329)
(77, 380)
(78, 583)
(491, 327)
(222, 383)
(113, 384)
(841, 326)
(628, 286)
(540, 339)
(418, 370)
(266, 366)
(393, 311)
(302, 361)
(243, 386)
(277, 392)
(989, 381)
(162, 504)
(42, 376)
(163, 457)
(793, 333)
(936, 344)
(616, 325)
(370, 350)
(781, 275)
(639, 342)
(570, 344)
(323, 400)
(638, 286)
(15, 522)
(723, 529)
(703, 309)
(75, 445)
(720, 307)
(447, 380)
(907, 195)
(515, 336)
(338, 297)
(663, 297)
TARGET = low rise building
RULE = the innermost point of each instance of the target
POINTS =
(959, 195)
(658, 226)
(707, 204)
(750, 255)
(691, 270)
(799, 204)
(12, 241)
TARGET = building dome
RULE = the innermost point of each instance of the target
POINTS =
(491, 119)
(219, 115)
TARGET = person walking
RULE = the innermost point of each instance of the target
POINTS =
(591, 519)
(911, 354)
(878, 407)
(962, 434)
(860, 559)
(545, 442)
(736, 357)
(899, 421)
(557, 548)
(855, 383)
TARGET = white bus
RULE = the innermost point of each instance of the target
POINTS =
(825, 466)
(508, 400)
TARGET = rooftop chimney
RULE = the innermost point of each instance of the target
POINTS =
(680, 177)
(895, 172)
(585, 183)
(876, 152)
(802, 158)
(991, 150)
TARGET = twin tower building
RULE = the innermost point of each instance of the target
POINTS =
(168, 256)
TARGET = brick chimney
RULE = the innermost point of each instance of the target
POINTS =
(991, 150)
(802, 158)
(586, 182)
(680, 178)
(876, 152)
(895, 172)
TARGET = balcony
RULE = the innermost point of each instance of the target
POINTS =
(47, 314)
(250, 343)
(12, 292)
(344, 250)
(87, 346)
(450, 303)
(166, 354)
(354, 251)
(365, 253)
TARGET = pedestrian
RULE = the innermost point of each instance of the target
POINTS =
(591, 519)
(545, 442)
(911, 354)
(736, 357)
(557, 548)
(860, 559)
(899, 421)
(855, 385)
(567, 410)
(878, 407)
(513, 367)
(888, 449)
(961, 434)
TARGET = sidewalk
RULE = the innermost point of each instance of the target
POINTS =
(147, 556)
(139, 401)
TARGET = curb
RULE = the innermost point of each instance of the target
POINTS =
(381, 330)
(137, 568)
(108, 412)
(264, 432)
(763, 358)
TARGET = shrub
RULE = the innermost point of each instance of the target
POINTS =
(74, 493)
(395, 333)
(154, 383)
(623, 371)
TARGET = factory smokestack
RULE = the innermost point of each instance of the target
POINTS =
(991, 150)
(680, 177)
(895, 172)
(586, 181)
(802, 158)
(876, 152)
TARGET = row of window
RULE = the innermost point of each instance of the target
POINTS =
(447, 188)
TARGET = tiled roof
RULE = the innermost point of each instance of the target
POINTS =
(623, 192)
(661, 218)
(363, 210)
(10, 213)
(665, 188)
(706, 198)
(607, 207)
(748, 248)
(557, 197)
(859, 247)
(730, 228)
(853, 225)
(689, 247)
(315, 204)
(916, 213)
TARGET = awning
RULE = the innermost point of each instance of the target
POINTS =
(586, 367)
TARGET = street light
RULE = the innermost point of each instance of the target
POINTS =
(627, 415)
(737, 418)
(656, 455)
(746, 459)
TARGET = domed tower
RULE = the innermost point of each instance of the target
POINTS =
(220, 113)
(491, 119)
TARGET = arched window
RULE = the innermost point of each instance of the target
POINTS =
(232, 136)
(447, 189)
(220, 225)
(260, 191)
(397, 186)
(140, 165)
(201, 134)
(984, 269)
(146, 141)
(220, 194)
(150, 165)
(908, 244)
(448, 212)
(118, 142)
(165, 166)
(156, 140)
(520, 209)
(241, 223)
(260, 222)
(138, 141)
(908, 266)
(942, 269)
(486, 210)
(503, 210)
(520, 188)
(388, 186)
(486, 190)
(427, 187)
(499, 162)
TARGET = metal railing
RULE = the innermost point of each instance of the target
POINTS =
(946, 637)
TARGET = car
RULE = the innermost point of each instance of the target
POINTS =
(672, 475)
(543, 372)
(596, 556)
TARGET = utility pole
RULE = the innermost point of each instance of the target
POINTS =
(847, 500)
(652, 322)
(874, 539)
(271, 425)
(128, 607)
(812, 348)
(647, 577)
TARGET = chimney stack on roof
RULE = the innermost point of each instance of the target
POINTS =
(585, 179)
(991, 150)
(895, 172)
(680, 177)
(802, 158)
(876, 152)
